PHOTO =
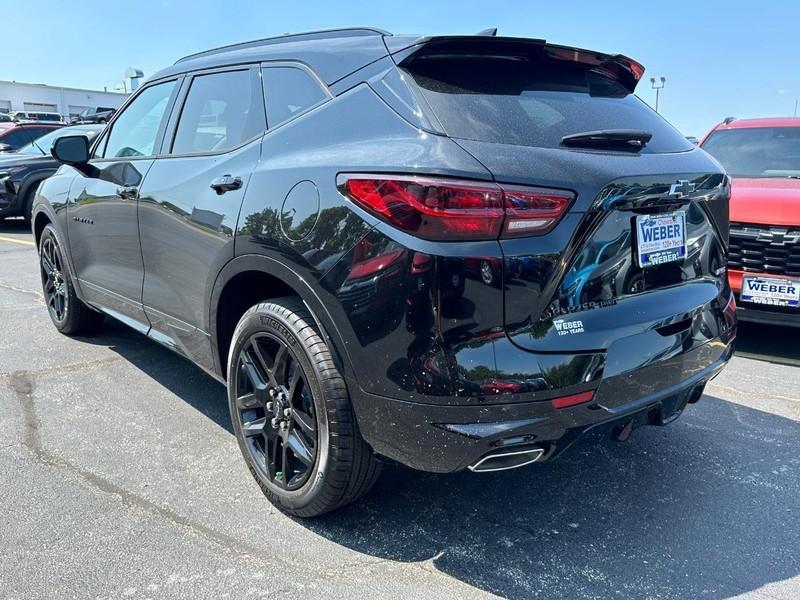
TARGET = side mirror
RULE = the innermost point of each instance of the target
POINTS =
(71, 150)
(5, 148)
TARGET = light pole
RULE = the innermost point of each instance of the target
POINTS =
(658, 87)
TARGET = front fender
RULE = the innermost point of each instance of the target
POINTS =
(51, 202)
(52, 199)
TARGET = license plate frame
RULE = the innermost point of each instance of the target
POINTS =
(660, 239)
(786, 292)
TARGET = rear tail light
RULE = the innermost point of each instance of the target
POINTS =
(450, 210)
(534, 210)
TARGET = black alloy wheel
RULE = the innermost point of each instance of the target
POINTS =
(67, 311)
(276, 411)
(53, 280)
(291, 412)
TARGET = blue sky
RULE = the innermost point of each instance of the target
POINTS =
(720, 58)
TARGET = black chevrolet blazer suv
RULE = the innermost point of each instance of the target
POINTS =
(457, 252)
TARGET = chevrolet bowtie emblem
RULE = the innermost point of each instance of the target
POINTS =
(681, 188)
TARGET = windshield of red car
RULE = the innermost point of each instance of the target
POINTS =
(757, 151)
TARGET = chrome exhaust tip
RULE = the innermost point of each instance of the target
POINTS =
(503, 460)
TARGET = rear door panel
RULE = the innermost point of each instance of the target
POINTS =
(187, 236)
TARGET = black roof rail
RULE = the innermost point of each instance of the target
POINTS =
(289, 37)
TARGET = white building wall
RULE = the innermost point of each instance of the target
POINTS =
(34, 96)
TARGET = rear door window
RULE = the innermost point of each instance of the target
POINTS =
(529, 102)
(289, 92)
(222, 111)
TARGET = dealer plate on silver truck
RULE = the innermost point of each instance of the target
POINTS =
(774, 291)
(660, 238)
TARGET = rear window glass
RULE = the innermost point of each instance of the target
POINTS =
(222, 111)
(514, 100)
(757, 151)
(289, 92)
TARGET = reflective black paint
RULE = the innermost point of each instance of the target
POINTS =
(103, 231)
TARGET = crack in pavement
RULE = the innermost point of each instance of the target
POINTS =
(68, 368)
(22, 384)
(38, 295)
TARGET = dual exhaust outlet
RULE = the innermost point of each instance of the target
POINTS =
(503, 460)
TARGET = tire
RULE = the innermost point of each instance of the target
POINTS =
(634, 284)
(68, 313)
(27, 203)
(311, 459)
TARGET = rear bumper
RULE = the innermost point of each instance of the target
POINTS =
(442, 438)
(766, 317)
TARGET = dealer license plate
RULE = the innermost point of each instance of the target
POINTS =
(774, 291)
(660, 238)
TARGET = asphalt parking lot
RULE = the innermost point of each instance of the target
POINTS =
(120, 478)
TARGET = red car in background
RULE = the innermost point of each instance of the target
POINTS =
(762, 156)
(14, 136)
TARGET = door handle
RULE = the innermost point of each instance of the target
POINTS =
(127, 192)
(226, 183)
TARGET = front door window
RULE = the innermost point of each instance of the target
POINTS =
(135, 132)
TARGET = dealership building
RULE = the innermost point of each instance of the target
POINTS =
(67, 101)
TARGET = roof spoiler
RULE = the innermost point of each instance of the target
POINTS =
(625, 70)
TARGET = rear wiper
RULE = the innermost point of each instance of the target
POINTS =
(625, 139)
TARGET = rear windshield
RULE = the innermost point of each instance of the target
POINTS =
(512, 100)
(757, 151)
